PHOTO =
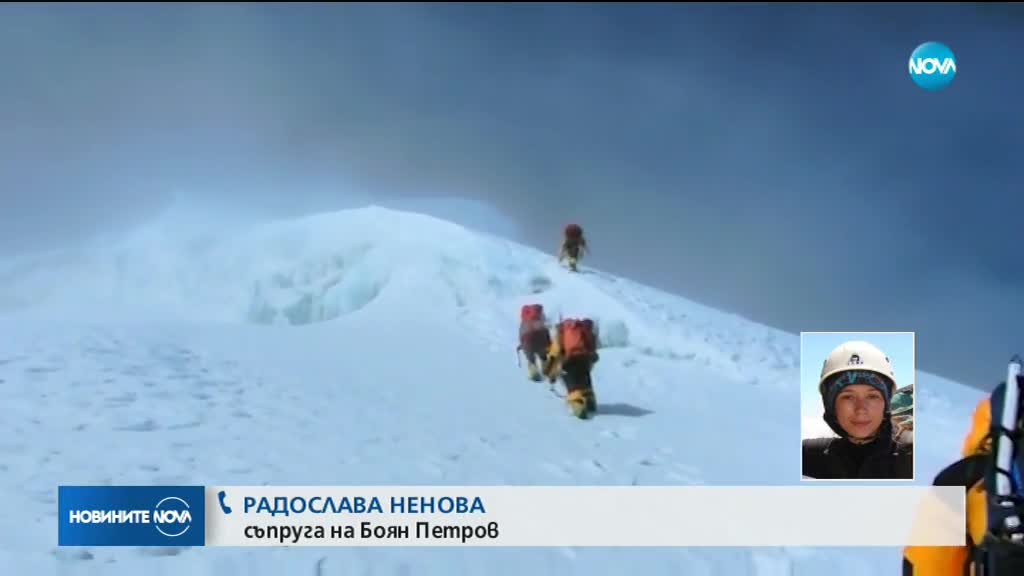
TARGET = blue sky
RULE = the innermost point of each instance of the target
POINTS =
(815, 348)
(772, 160)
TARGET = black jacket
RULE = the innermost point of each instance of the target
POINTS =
(576, 373)
(840, 459)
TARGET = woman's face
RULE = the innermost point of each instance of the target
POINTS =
(859, 409)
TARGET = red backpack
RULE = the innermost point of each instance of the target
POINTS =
(531, 320)
(574, 236)
(577, 337)
(530, 312)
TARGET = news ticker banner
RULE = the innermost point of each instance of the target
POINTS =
(533, 516)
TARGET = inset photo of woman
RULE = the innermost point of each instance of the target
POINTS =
(857, 405)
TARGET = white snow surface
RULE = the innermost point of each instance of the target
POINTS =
(376, 347)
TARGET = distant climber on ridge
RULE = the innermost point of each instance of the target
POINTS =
(573, 246)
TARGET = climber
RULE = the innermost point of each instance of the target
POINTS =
(571, 356)
(534, 339)
(573, 246)
(856, 386)
(995, 546)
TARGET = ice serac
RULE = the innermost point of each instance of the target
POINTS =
(376, 347)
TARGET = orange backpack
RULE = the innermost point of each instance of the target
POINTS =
(577, 337)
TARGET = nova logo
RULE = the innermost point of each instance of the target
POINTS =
(131, 515)
(171, 517)
(932, 66)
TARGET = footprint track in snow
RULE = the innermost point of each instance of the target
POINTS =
(44, 369)
(9, 360)
(620, 433)
(559, 470)
(122, 399)
(594, 466)
(72, 555)
(147, 425)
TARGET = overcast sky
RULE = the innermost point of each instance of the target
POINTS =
(775, 161)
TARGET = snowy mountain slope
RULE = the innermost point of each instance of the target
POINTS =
(376, 347)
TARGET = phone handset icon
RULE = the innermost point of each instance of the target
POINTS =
(223, 505)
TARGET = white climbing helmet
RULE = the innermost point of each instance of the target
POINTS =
(857, 355)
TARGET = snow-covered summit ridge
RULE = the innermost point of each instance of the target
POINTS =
(184, 268)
